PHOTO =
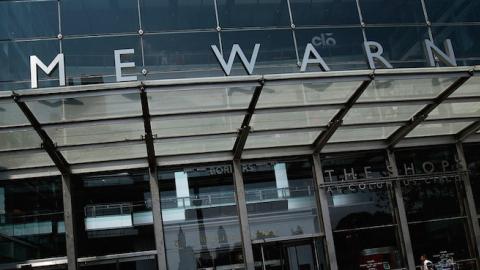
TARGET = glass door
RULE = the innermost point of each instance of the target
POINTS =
(289, 255)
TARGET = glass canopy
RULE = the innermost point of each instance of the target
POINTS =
(225, 117)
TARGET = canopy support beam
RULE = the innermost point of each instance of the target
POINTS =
(244, 130)
(337, 120)
(466, 132)
(420, 116)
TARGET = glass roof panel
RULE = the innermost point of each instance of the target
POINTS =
(195, 100)
(87, 107)
(263, 140)
(362, 134)
(96, 133)
(291, 118)
(24, 159)
(358, 114)
(435, 129)
(195, 125)
(469, 88)
(194, 145)
(105, 153)
(10, 114)
(306, 93)
(454, 110)
(400, 89)
(19, 139)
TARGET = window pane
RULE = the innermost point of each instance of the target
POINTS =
(472, 154)
(469, 88)
(114, 214)
(453, 110)
(286, 138)
(384, 11)
(276, 55)
(204, 144)
(437, 129)
(88, 107)
(306, 93)
(28, 19)
(321, 12)
(10, 114)
(99, 17)
(19, 139)
(25, 159)
(464, 42)
(181, 55)
(105, 153)
(91, 60)
(195, 125)
(359, 114)
(158, 15)
(200, 217)
(280, 199)
(401, 89)
(362, 134)
(339, 47)
(245, 13)
(199, 99)
(291, 118)
(403, 46)
(15, 59)
(31, 214)
(453, 11)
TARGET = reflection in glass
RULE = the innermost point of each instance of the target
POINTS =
(244, 13)
(339, 47)
(321, 12)
(200, 219)
(437, 129)
(280, 199)
(31, 220)
(114, 214)
(276, 54)
(384, 11)
(453, 11)
(465, 45)
(403, 46)
(99, 17)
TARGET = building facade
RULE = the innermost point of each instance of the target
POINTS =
(305, 154)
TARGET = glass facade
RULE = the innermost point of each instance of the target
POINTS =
(172, 39)
(356, 169)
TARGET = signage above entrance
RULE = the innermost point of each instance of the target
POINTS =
(373, 52)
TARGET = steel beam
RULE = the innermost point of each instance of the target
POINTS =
(466, 132)
(154, 188)
(324, 212)
(243, 215)
(420, 116)
(245, 128)
(64, 168)
(401, 213)
(337, 120)
(470, 203)
(69, 220)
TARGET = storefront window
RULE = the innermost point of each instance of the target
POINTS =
(200, 218)
(472, 154)
(31, 220)
(361, 211)
(114, 214)
(280, 199)
(434, 201)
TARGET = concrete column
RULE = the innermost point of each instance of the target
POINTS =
(69, 222)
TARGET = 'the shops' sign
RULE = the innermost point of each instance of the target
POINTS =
(373, 52)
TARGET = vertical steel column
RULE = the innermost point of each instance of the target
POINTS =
(324, 213)
(154, 189)
(69, 222)
(471, 209)
(243, 215)
(401, 214)
(157, 220)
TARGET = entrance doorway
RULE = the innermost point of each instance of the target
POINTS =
(307, 254)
